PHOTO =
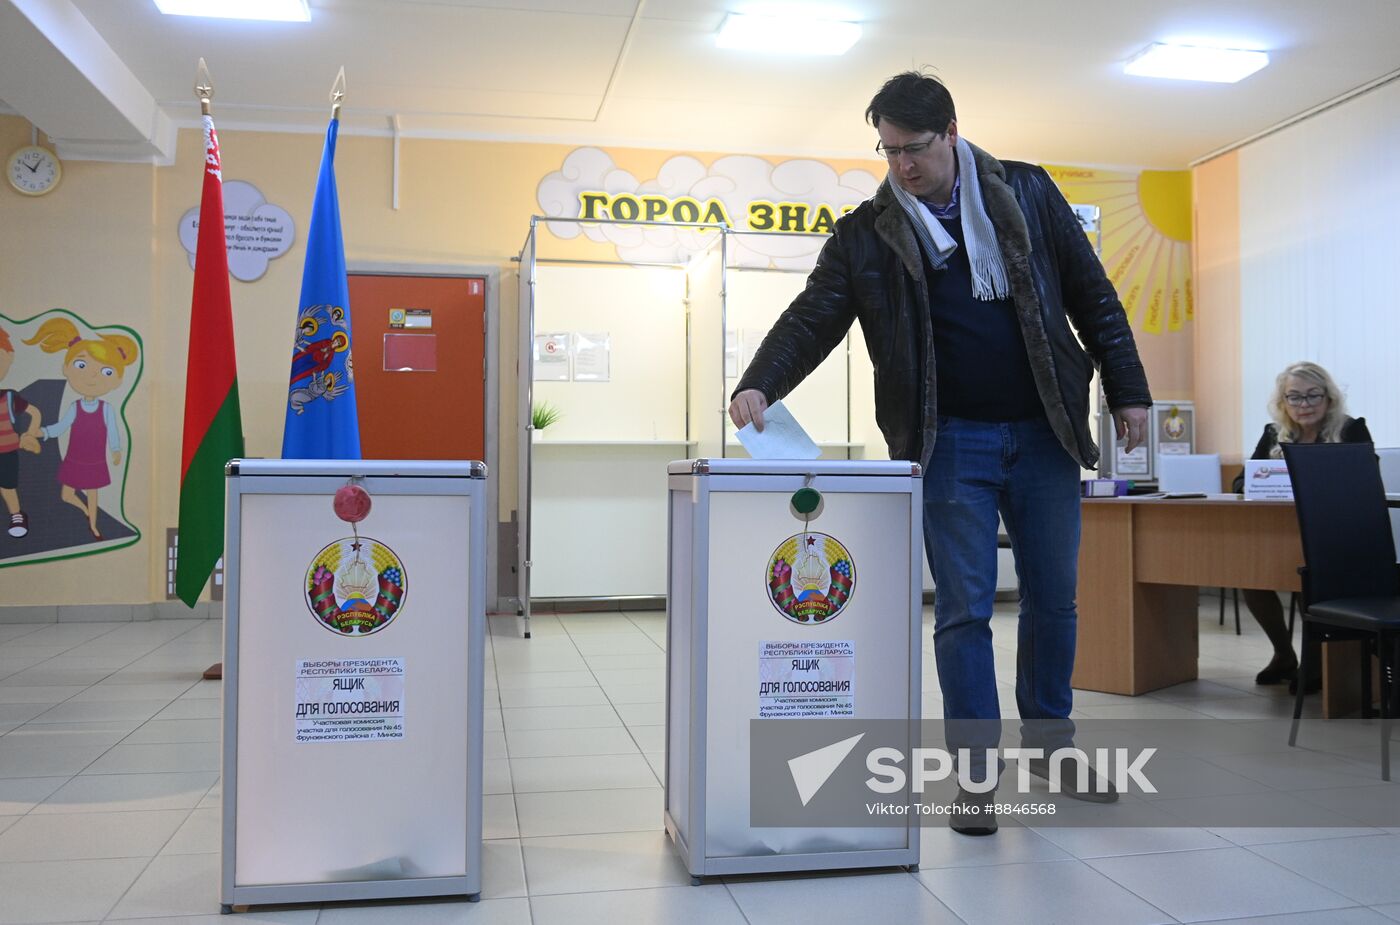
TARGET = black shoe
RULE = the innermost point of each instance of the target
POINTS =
(1283, 667)
(1069, 781)
(973, 813)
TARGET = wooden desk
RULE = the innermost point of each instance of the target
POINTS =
(1141, 563)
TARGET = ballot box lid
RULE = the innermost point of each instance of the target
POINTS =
(366, 468)
(826, 467)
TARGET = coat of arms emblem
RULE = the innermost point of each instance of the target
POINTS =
(356, 586)
(811, 577)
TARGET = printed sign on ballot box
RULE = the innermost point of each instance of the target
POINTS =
(349, 699)
(802, 680)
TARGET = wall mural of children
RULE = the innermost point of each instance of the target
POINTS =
(13, 406)
(93, 369)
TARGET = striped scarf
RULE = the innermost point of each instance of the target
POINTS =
(989, 281)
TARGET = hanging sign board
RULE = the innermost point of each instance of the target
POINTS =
(255, 231)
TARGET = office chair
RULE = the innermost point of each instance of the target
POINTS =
(1236, 592)
(1390, 478)
(1351, 584)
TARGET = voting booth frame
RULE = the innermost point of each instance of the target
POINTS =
(353, 682)
(604, 477)
(729, 521)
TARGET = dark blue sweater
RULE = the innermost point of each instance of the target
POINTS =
(984, 373)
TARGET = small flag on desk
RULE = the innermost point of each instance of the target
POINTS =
(213, 426)
(322, 418)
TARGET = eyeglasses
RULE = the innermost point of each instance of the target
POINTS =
(1296, 399)
(892, 152)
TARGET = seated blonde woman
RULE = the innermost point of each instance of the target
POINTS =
(1306, 407)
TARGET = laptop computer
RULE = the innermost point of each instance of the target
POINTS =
(1189, 474)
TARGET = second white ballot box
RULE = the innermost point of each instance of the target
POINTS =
(793, 595)
(354, 642)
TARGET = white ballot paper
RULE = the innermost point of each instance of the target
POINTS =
(782, 437)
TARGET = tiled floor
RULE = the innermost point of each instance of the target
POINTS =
(109, 797)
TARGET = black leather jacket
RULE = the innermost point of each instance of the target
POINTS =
(871, 269)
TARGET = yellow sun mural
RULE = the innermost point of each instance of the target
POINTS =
(1146, 238)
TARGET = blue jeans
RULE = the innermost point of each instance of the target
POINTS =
(1020, 471)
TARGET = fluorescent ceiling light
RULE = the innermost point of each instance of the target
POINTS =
(789, 34)
(1195, 62)
(274, 10)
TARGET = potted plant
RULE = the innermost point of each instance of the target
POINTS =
(542, 415)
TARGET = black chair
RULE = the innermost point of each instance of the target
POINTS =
(1292, 609)
(1237, 610)
(1351, 584)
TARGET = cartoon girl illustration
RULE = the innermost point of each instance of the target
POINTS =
(93, 368)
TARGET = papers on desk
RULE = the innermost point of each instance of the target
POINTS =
(1175, 494)
(782, 437)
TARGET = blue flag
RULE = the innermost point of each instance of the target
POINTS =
(322, 419)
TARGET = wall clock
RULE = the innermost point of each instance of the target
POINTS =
(33, 170)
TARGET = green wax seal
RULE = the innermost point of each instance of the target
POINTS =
(806, 500)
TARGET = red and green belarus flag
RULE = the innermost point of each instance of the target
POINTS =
(213, 427)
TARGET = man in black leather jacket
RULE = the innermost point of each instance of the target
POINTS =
(970, 278)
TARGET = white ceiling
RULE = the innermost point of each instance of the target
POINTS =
(1032, 79)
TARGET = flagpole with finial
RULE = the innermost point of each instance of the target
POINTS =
(337, 93)
(204, 88)
(324, 429)
(204, 91)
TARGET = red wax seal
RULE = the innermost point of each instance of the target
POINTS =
(352, 503)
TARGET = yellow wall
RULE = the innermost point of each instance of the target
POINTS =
(104, 245)
(88, 247)
(1217, 346)
(1146, 249)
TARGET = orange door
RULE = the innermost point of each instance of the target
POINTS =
(421, 390)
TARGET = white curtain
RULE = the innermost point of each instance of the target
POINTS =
(1320, 259)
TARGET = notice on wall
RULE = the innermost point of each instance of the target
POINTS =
(752, 339)
(592, 356)
(551, 357)
(731, 354)
(805, 680)
(255, 230)
(349, 699)
(1091, 220)
(1134, 463)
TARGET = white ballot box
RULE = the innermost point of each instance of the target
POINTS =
(793, 595)
(353, 684)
